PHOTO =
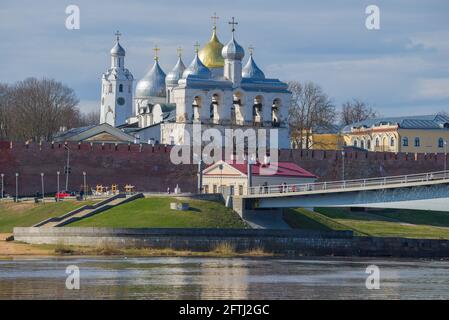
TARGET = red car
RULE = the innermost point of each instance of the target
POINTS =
(62, 195)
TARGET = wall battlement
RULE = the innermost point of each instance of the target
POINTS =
(149, 167)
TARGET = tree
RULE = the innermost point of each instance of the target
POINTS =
(310, 108)
(356, 111)
(37, 109)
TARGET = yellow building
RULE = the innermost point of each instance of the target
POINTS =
(421, 134)
(320, 138)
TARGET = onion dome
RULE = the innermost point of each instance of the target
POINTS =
(118, 50)
(197, 69)
(251, 70)
(233, 51)
(176, 74)
(153, 83)
(210, 54)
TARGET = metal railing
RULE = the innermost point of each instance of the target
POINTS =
(349, 184)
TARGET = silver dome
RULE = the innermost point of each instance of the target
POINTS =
(233, 51)
(118, 50)
(176, 74)
(197, 69)
(252, 71)
(152, 84)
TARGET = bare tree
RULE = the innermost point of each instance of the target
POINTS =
(355, 111)
(91, 118)
(36, 109)
(310, 108)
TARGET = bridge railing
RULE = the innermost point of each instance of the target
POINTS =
(349, 184)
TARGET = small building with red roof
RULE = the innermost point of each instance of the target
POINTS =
(234, 176)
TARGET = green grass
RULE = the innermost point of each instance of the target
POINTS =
(384, 223)
(156, 213)
(28, 214)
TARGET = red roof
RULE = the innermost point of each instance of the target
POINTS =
(284, 169)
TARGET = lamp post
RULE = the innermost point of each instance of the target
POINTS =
(3, 191)
(17, 186)
(445, 157)
(221, 177)
(67, 168)
(85, 185)
(343, 165)
(43, 190)
(57, 194)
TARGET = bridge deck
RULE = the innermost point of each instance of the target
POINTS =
(406, 181)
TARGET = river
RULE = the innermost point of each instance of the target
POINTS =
(223, 278)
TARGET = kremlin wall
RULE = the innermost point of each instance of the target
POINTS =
(149, 168)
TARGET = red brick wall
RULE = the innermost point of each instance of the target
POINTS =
(149, 168)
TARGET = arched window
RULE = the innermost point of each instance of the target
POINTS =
(354, 143)
(392, 142)
(196, 108)
(377, 142)
(440, 143)
(237, 116)
(275, 109)
(417, 142)
(362, 144)
(120, 88)
(258, 110)
(214, 108)
(405, 142)
(368, 145)
(110, 88)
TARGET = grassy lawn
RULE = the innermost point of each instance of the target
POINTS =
(27, 214)
(156, 213)
(385, 223)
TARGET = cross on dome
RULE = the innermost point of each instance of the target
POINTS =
(214, 20)
(156, 52)
(118, 35)
(179, 51)
(197, 47)
(251, 50)
(233, 23)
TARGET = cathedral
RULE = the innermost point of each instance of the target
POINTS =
(216, 90)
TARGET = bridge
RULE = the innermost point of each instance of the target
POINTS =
(426, 191)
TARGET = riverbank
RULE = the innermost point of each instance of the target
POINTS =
(10, 249)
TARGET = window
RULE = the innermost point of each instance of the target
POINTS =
(120, 88)
(368, 144)
(362, 144)
(214, 188)
(392, 142)
(417, 142)
(110, 88)
(355, 143)
(405, 142)
(377, 142)
(240, 189)
(440, 143)
(206, 189)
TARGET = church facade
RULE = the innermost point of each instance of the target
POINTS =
(216, 90)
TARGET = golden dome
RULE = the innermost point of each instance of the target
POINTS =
(210, 55)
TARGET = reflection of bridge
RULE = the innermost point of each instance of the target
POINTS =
(427, 191)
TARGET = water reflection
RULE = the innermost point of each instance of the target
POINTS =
(206, 278)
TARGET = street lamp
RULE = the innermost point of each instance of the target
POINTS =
(85, 186)
(221, 177)
(43, 191)
(67, 168)
(343, 164)
(445, 157)
(57, 194)
(3, 191)
(17, 186)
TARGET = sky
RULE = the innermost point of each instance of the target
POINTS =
(400, 69)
